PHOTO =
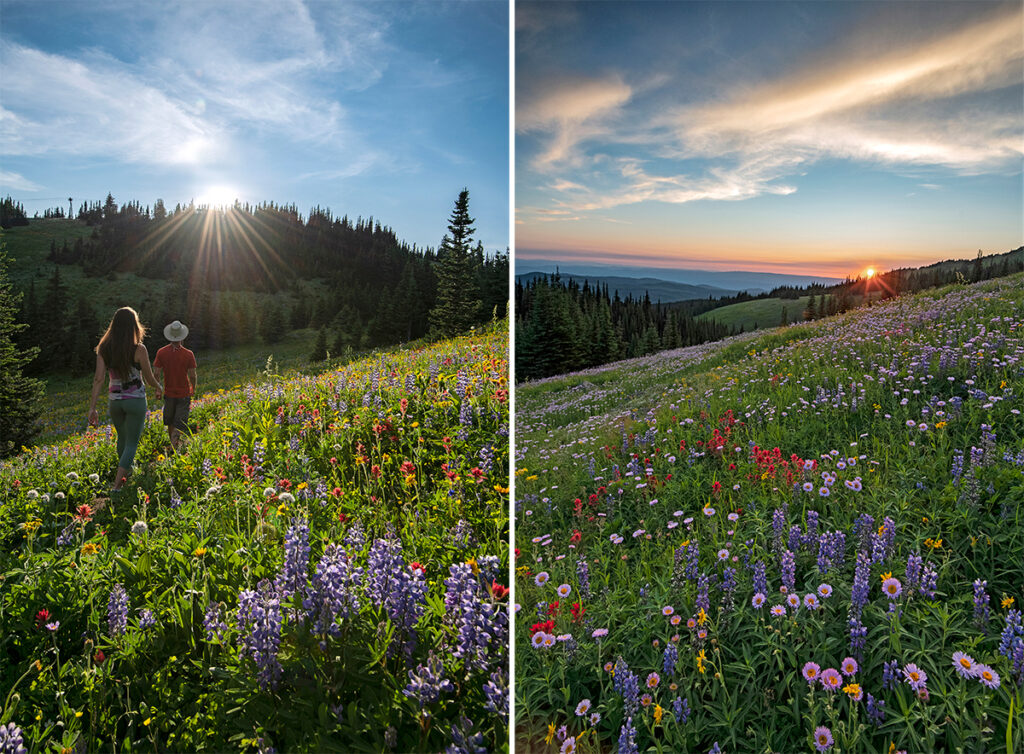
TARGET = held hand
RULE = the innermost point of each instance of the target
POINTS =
(94, 418)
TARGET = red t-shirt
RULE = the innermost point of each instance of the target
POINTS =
(175, 362)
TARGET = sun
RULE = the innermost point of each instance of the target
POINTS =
(869, 273)
(217, 196)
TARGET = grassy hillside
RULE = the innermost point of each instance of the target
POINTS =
(321, 568)
(708, 539)
(758, 314)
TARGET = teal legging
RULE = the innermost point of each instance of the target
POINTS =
(129, 417)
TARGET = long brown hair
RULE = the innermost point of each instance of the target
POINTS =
(118, 344)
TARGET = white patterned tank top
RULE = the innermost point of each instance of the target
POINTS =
(133, 387)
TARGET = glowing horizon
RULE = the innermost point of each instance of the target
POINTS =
(752, 136)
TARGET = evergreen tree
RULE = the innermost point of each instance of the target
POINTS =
(458, 301)
(20, 396)
(272, 324)
(320, 347)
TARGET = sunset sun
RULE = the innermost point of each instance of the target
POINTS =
(869, 273)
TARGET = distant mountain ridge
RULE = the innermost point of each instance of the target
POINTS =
(731, 282)
(664, 291)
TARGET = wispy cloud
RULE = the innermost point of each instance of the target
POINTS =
(936, 102)
(570, 111)
(17, 182)
(207, 73)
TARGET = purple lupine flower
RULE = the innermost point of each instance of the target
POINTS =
(427, 682)
(981, 609)
(863, 528)
(355, 537)
(464, 739)
(1011, 643)
(812, 528)
(333, 593)
(292, 579)
(681, 707)
(890, 674)
(259, 631)
(496, 691)
(760, 578)
(715, 749)
(213, 622)
(912, 578)
(876, 710)
(778, 524)
(703, 585)
(669, 659)
(627, 738)
(481, 623)
(390, 584)
(788, 569)
(692, 554)
(462, 534)
(619, 673)
(11, 740)
(858, 636)
(583, 577)
(795, 538)
(861, 586)
(117, 610)
(929, 581)
(728, 587)
(146, 618)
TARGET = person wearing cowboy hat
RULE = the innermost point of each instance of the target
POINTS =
(176, 366)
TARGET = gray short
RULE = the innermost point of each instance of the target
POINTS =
(176, 412)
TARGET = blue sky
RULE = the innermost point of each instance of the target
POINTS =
(383, 109)
(789, 137)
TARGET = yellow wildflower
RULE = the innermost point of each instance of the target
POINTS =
(551, 733)
(160, 458)
(1007, 602)
(700, 661)
(531, 478)
(702, 617)
(886, 575)
(658, 712)
(90, 548)
(940, 425)
(473, 565)
(852, 689)
(199, 552)
(282, 509)
(500, 490)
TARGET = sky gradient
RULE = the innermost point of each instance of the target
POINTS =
(811, 138)
(382, 109)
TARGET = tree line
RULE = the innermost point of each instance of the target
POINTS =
(562, 326)
(256, 273)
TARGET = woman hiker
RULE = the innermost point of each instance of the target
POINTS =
(122, 356)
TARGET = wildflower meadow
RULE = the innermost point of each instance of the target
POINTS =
(321, 568)
(806, 539)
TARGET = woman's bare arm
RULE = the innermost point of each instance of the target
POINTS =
(142, 359)
(97, 385)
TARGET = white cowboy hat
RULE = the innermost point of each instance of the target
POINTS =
(175, 331)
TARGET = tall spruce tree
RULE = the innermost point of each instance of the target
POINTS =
(458, 300)
(20, 396)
